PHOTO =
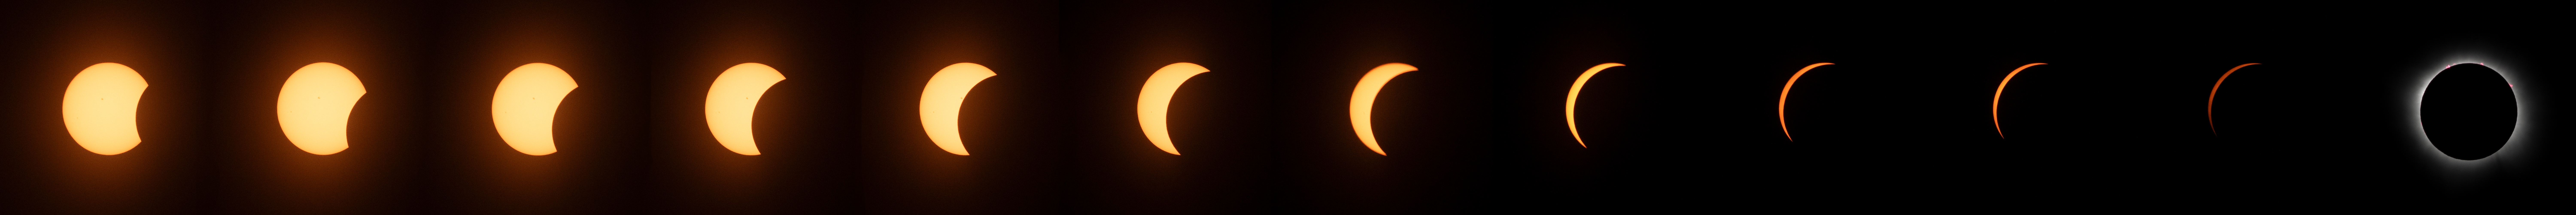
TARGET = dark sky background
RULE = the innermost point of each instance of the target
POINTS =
(2120, 113)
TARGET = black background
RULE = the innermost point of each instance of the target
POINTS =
(2115, 117)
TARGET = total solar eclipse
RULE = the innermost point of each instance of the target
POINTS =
(1143, 107)
(2468, 111)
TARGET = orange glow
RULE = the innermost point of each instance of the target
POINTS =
(1993, 110)
(1577, 91)
(1364, 96)
(1784, 99)
(730, 102)
(313, 108)
(946, 93)
(1155, 102)
(98, 108)
(523, 107)
(2211, 111)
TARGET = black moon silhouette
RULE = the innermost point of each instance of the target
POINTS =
(2468, 111)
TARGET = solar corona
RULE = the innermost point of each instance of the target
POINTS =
(2469, 111)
